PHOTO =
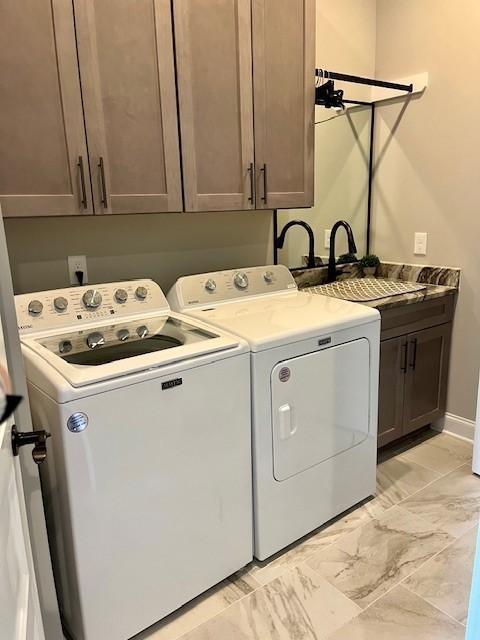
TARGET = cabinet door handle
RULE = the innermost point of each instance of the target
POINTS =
(102, 182)
(83, 198)
(413, 358)
(251, 171)
(404, 356)
(264, 171)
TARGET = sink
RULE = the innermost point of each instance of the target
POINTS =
(365, 289)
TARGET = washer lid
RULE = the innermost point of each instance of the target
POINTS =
(271, 321)
(92, 354)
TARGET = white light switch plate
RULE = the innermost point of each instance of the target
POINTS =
(420, 245)
(327, 238)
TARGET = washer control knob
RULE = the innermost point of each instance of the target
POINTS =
(210, 285)
(142, 331)
(65, 346)
(123, 334)
(92, 298)
(141, 293)
(95, 340)
(268, 276)
(35, 307)
(60, 303)
(240, 280)
(121, 296)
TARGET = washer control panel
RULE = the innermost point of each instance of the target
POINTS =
(222, 286)
(79, 305)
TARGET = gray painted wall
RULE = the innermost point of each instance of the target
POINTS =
(159, 246)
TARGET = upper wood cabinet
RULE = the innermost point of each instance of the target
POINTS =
(246, 122)
(214, 75)
(284, 101)
(90, 92)
(125, 50)
(43, 151)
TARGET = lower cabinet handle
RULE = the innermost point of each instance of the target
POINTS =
(251, 171)
(404, 356)
(413, 359)
(102, 181)
(264, 170)
(83, 199)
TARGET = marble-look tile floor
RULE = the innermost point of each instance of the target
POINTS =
(396, 567)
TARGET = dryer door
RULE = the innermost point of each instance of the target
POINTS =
(320, 406)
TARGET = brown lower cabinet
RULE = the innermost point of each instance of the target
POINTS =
(413, 372)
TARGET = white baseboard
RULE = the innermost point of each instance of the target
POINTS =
(456, 426)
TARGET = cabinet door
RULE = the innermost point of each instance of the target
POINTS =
(214, 76)
(393, 355)
(128, 84)
(284, 101)
(43, 153)
(426, 381)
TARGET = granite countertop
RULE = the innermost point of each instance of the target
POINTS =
(439, 281)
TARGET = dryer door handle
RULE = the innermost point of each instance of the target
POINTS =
(287, 428)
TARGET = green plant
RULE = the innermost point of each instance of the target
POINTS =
(346, 258)
(370, 260)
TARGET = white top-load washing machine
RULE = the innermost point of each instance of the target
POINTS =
(314, 394)
(147, 483)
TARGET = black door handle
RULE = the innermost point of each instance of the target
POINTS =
(37, 438)
(404, 357)
(413, 359)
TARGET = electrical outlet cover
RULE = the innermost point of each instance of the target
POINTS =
(77, 263)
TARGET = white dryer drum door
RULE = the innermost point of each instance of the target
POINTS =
(320, 406)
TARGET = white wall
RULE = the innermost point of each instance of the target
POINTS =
(159, 246)
(427, 160)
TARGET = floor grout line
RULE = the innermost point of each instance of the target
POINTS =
(430, 524)
(432, 605)
(430, 483)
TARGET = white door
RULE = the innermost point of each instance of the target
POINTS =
(320, 406)
(20, 617)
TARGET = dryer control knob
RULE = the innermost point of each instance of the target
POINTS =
(123, 334)
(60, 303)
(92, 298)
(240, 280)
(95, 340)
(268, 276)
(210, 285)
(35, 307)
(141, 292)
(121, 296)
(142, 331)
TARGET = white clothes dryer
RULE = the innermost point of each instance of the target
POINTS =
(314, 394)
(147, 485)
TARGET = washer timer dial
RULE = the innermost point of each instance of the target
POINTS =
(92, 298)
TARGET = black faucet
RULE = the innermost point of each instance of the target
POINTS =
(311, 239)
(352, 247)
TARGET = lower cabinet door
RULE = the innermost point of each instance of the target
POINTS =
(426, 379)
(393, 355)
